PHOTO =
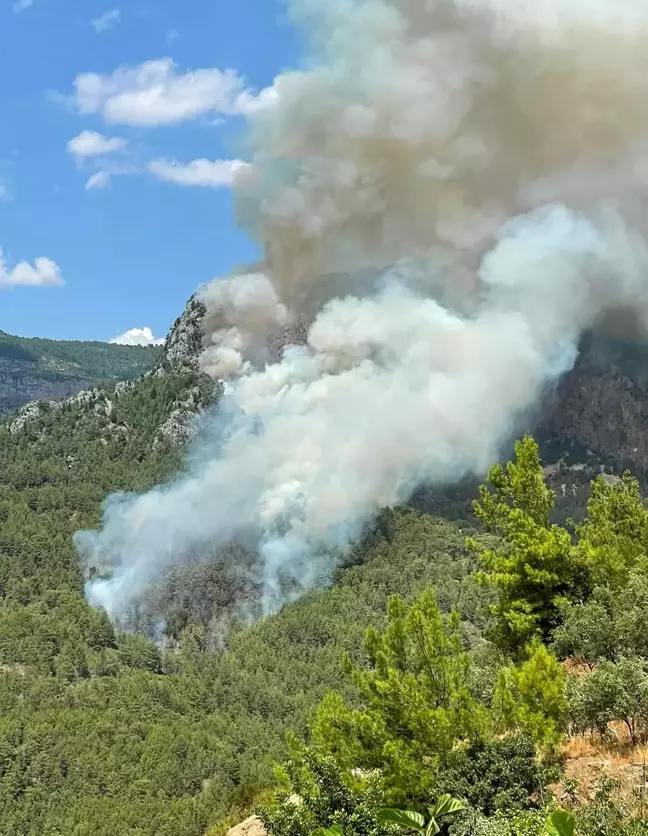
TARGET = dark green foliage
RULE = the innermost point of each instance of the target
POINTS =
(55, 473)
(416, 704)
(611, 624)
(530, 562)
(589, 632)
(612, 692)
(12, 349)
(326, 797)
(94, 360)
(417, 733)
(601, 818)
(438, 813)
(105, 734)
(530, 698)
(495, 775)
(604, 818)
(614, 536)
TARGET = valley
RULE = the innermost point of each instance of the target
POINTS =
(106, 731)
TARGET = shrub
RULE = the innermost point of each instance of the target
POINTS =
(495, 775)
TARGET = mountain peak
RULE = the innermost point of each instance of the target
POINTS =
(184, 342)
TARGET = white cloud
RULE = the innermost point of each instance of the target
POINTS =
(22, 5)
(93, 144)
(43, 273)
(99, 180)
(212, 173)
(95, 148)
(156, 93)
(137, 336)
(4, 192)
(172, 35)
(107, 21)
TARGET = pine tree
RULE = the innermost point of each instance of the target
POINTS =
(531, 698)
(415, 701)
(614, 537)
(530, 563)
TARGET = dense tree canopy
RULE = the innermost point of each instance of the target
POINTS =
(94, 360)
(103, 732)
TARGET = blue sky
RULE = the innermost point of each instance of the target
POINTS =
(104, 109)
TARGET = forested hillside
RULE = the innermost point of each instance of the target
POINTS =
(362, 550)
(34, 368)
(103, 732)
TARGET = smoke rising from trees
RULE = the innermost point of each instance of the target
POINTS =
(449, 195)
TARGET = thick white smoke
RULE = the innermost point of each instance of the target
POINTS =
(450, 194)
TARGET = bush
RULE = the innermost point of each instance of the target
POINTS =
(319, 794)
(495, 775)
(612, 692)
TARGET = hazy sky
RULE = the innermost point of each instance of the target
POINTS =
(119, 128)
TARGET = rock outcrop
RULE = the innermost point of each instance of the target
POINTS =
(185, 341)
(21, 383)
(599, 411)
(600, 408)
(252, 826)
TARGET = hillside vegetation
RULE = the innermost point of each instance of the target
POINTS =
(35, 368)
(104, 732)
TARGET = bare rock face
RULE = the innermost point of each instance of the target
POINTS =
(185, 341)
(29, 413)
(252, 826)
(179, 428)
(599, 410)
(21, 383)
(601, 406)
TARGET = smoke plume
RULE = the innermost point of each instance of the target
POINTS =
(449, 194)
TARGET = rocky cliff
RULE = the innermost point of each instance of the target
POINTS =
(601, 406)
(40, 369)
(21, 383)
(598, 414)
(596, 418)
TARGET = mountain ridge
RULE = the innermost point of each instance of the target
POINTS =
(34, 368)
(104, 732)
(596, 416)
(598, 410)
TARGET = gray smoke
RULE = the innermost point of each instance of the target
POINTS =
(449, 195)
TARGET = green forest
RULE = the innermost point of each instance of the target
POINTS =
(95, 360)
(480, 676)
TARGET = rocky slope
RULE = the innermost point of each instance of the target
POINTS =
(40, 369)
(597, 415)
(601, 406)
(164, 384)
(595, 420)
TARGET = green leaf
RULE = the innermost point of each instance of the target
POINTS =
(560, 823)
(333, 830)
(432, 828)
(403, 818)
(445, 805)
